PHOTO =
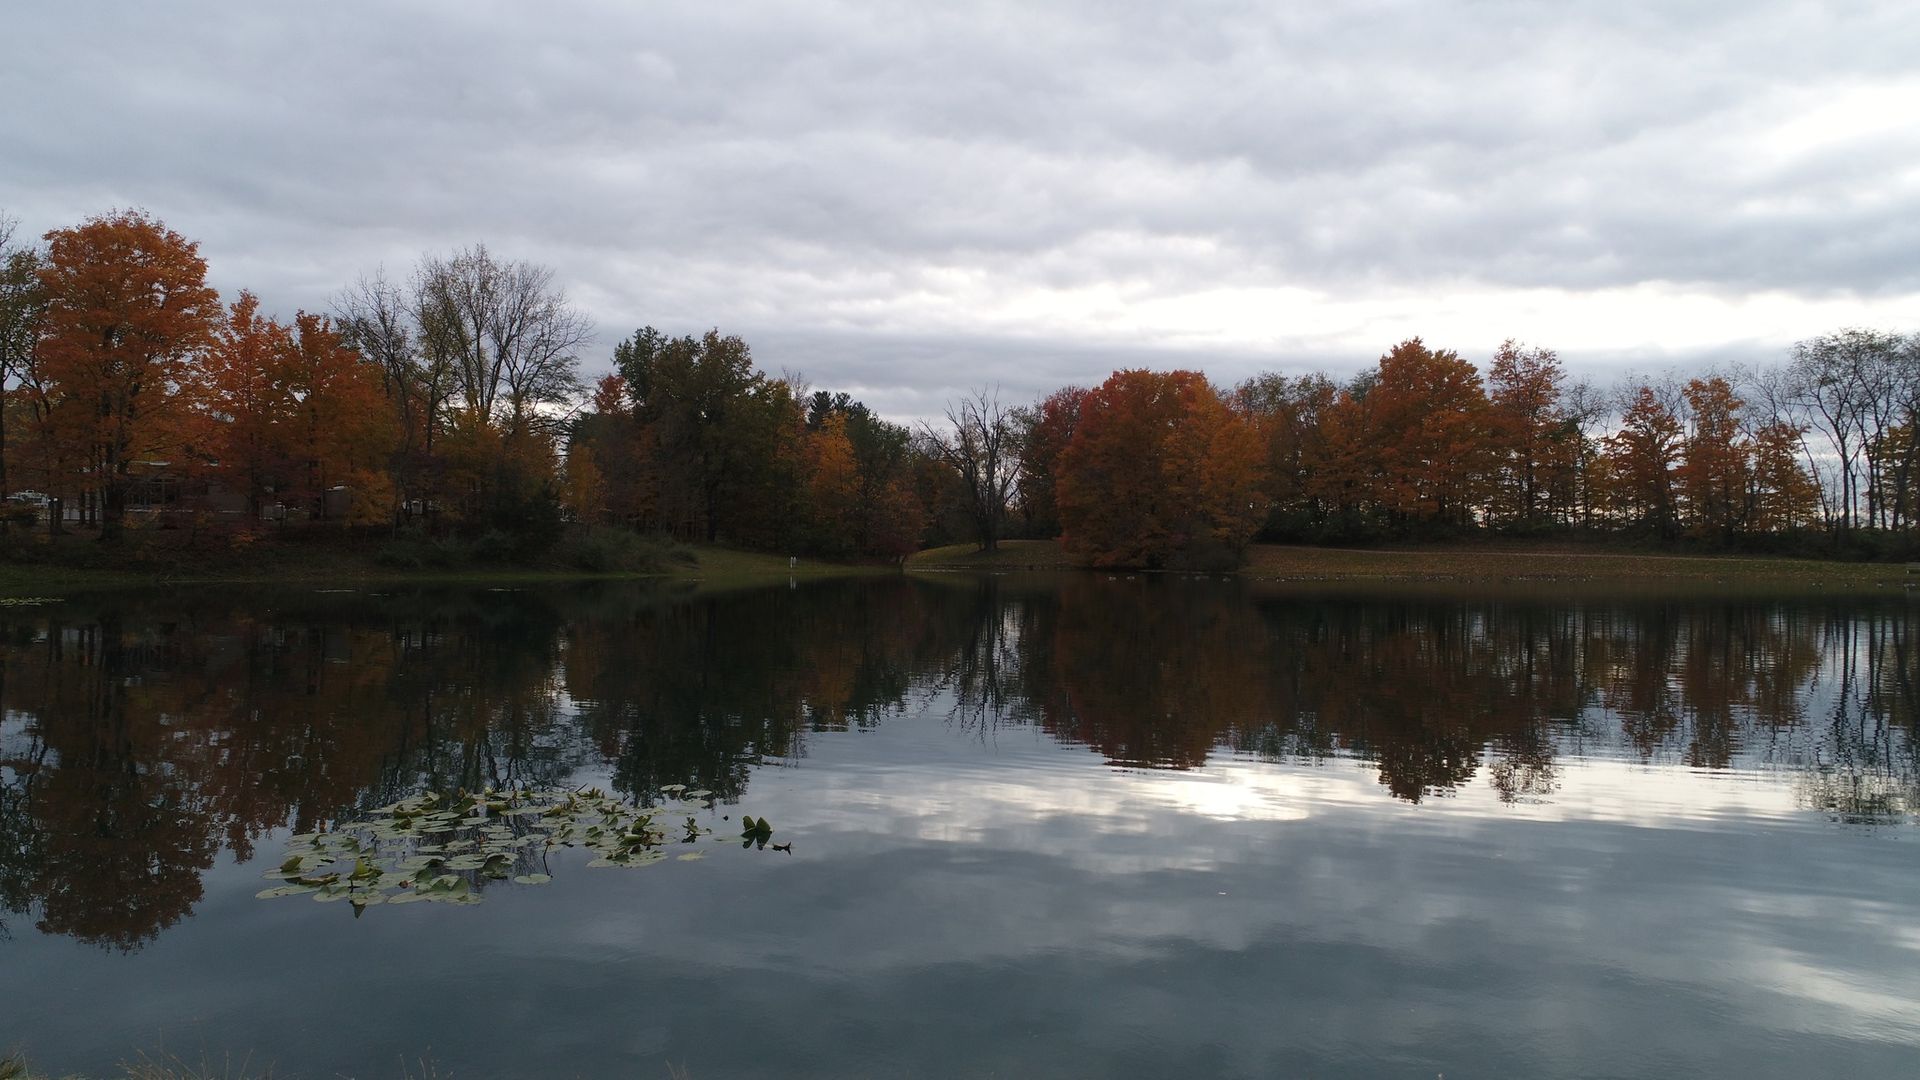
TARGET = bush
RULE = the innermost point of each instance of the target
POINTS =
(494, 547)
(1206, 555)
(418, 551)
(599, 549)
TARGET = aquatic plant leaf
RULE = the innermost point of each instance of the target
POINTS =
(432, 848)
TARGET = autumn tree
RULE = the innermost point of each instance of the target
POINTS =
(1782, 494)
(293, 412)
(584, 489)
(1294, 417)
(128, 312)
(1714, 464)
(1532, 441)
(883, 515)
(1160, 472)
(246, 402)
(832, 486)
(340, 435)
(1044, 432)
(1426, 427)
(1643, 456)
(1346, 480)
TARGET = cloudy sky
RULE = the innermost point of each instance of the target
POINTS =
(907, 200)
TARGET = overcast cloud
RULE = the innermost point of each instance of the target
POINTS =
(905, 200)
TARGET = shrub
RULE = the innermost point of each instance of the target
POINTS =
(599, 549)
(417, 551)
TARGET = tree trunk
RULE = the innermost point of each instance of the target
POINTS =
(4, 489)
(113, 508)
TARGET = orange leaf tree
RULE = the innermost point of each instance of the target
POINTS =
(1643, 456)
(1428, 428)
(247, 405)
(341, 433)
(1714, 464)
(128, 311)
(1160, 472)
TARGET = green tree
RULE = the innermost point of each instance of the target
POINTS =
(23, 302)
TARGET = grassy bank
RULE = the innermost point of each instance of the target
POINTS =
(1476, 565)
(1012, 555)
(718, 568)
(706, 566)
(1278, 563)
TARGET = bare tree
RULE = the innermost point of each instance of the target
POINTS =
(381, 320)
(504, 330)
(1773, 398)
(1836, 378)
(1587, 410)
(1905, 451)
(980, 443)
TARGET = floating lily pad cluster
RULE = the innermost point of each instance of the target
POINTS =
(445, 849)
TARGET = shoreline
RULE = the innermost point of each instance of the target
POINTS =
(704, 567)
(1290, 565)
(1272, 565)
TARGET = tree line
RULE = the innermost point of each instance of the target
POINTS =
(451, 402)
(1167, 469)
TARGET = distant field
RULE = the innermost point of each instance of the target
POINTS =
(1276, 562)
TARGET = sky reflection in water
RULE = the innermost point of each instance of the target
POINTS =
(1040, 827)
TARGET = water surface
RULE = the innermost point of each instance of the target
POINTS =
(1041, 826)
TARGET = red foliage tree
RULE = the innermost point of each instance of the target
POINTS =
(128, 312)
(1160, 472)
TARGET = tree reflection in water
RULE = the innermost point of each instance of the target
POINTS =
(144, 734)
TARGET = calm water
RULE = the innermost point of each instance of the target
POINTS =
(1040, 827)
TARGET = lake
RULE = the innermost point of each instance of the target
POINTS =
(1040, 826)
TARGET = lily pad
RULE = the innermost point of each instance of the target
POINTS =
(446, 849)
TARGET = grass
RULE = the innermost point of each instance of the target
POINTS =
(705, 566)
(1480, 565)
(1012, 555)
(1277, 562)
(147, 1067)
(721, 567)
(711, 567)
